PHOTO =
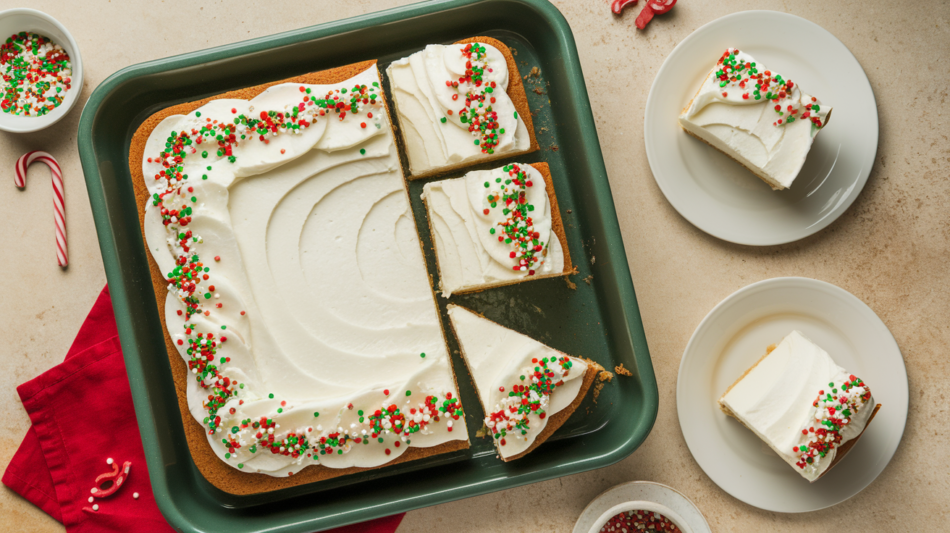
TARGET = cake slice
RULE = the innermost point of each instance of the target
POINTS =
(755, 116)
(809, 410)
(527, 389)
(460, 104)
(496, 227)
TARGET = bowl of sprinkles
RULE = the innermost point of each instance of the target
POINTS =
(40, 70)
(637, 516)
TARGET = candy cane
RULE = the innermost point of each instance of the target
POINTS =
(59, 207)
(617, 5)
(661, 6)
(116, 479)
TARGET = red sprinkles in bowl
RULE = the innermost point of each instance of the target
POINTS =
(638, 520)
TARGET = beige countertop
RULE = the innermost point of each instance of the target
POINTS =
(891, 249)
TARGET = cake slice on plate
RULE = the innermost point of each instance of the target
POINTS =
(496, 227)
(527, 389)
(460, 104)
(752, 114)
(809, 410)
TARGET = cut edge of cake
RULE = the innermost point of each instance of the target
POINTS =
(557, 227)
(214, 470)
(519, 98)
(556, 420)
(842, 450)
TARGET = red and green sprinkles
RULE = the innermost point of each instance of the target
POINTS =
(517, 228)
(478, 94)
(529, 397)
(191, 281)
(36, 75)
(734, 74)
(835, 408)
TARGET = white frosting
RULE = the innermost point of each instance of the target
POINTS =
(749, 130)
(775, 400)
(321, 282)
(466, 238)
(497, 357)
(423, 100)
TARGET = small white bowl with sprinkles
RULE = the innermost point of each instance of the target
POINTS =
(637, 516)
(40, 70)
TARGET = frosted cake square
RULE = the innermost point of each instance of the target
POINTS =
(764, 121)
(460, 104)
(809, 410)
(303, 333)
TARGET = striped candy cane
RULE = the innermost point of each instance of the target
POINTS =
(59, 207)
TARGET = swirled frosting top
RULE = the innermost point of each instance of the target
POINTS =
(754, 115)
(492, 226)
(297, 291)
(453, 106)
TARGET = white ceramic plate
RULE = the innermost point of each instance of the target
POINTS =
(642, 491)
(733, 336)
(718, 195)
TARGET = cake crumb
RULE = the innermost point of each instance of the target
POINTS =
(602, 378)
(597, 387)
(514, 51)
(482, 432)
(537, 91)
(569, 211)
(619, 369)
(593, 259)
(554, 148)
(535, 72)
(570, 284)
(588, 279)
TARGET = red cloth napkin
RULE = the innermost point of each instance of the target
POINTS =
(82, 415)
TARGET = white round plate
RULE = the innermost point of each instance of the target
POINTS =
(642, 491)
(733, 336)
(721, 197)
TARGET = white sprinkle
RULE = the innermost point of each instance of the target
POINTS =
(91, 499)
(109, 461)
(95, 507)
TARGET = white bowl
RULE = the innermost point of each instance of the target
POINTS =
(23, 19)
(640, 505)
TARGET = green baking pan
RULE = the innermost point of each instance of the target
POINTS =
(595, 314)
